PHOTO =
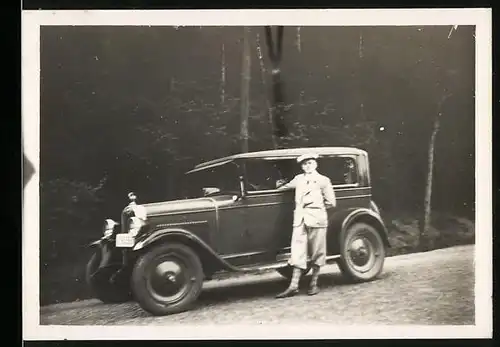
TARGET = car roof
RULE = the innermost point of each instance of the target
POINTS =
(287, 153)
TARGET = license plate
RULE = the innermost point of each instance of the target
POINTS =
(124, 240)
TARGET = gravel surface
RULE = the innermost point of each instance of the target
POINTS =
(432, 288)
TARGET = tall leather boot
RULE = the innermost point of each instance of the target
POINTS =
(293, 288)
(313, 287)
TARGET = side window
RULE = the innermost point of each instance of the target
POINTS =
(269, 174)
(340, 170)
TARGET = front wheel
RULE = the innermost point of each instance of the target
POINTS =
(362, 253)
(167, 279)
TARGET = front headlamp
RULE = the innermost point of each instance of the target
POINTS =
(109, 227)
(135, 225)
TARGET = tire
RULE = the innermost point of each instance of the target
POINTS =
(104, 285)
(287, 272)
(159, 293)
(362, 253)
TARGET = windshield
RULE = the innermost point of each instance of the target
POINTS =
(221, 179)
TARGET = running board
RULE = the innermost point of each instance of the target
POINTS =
(277, 265)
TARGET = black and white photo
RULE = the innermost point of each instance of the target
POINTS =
(257, 174)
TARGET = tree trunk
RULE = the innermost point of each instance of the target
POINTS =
(277, 110)
(425, 225)
(245, 90)
(223, 76)
(428, 189)
(280, 129)
(299, 41)
(268, 105)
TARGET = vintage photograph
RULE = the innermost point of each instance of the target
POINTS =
(267, 173)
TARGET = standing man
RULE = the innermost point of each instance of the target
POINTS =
(313, 195)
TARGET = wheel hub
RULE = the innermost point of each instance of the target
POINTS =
(360, 252)
(168, 280)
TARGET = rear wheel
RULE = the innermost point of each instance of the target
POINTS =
(109, 284)
(167, 279)
(362, 253)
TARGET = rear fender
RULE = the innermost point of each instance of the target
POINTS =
(210, 259)
(341, 220)
(368, 216)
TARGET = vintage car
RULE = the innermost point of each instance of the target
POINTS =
(232, 218)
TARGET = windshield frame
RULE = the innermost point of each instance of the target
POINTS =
(188, 177)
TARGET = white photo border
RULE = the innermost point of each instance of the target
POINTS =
(30, 80)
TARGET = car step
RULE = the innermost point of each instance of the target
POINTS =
(263, 267)
(279, 264)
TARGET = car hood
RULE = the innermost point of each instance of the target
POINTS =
(188, 205)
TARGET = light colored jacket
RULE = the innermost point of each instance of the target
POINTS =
(313, 195)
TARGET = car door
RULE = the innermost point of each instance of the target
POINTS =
(221, 185)
(269, 216)
(269, 211)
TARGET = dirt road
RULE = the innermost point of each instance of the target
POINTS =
(424, 288)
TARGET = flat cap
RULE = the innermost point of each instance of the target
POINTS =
(307, 156)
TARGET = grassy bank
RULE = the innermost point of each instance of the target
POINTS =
(64, 281)
(445, 231)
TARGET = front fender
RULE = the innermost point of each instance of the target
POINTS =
(106, 254)
(95, 243)
(101, 242)
(185, 236)
(147, 239)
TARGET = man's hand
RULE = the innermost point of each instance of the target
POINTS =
(288, 185)
(329, 194)
(280, 182)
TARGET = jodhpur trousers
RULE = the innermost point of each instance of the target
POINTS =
(308, 241)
